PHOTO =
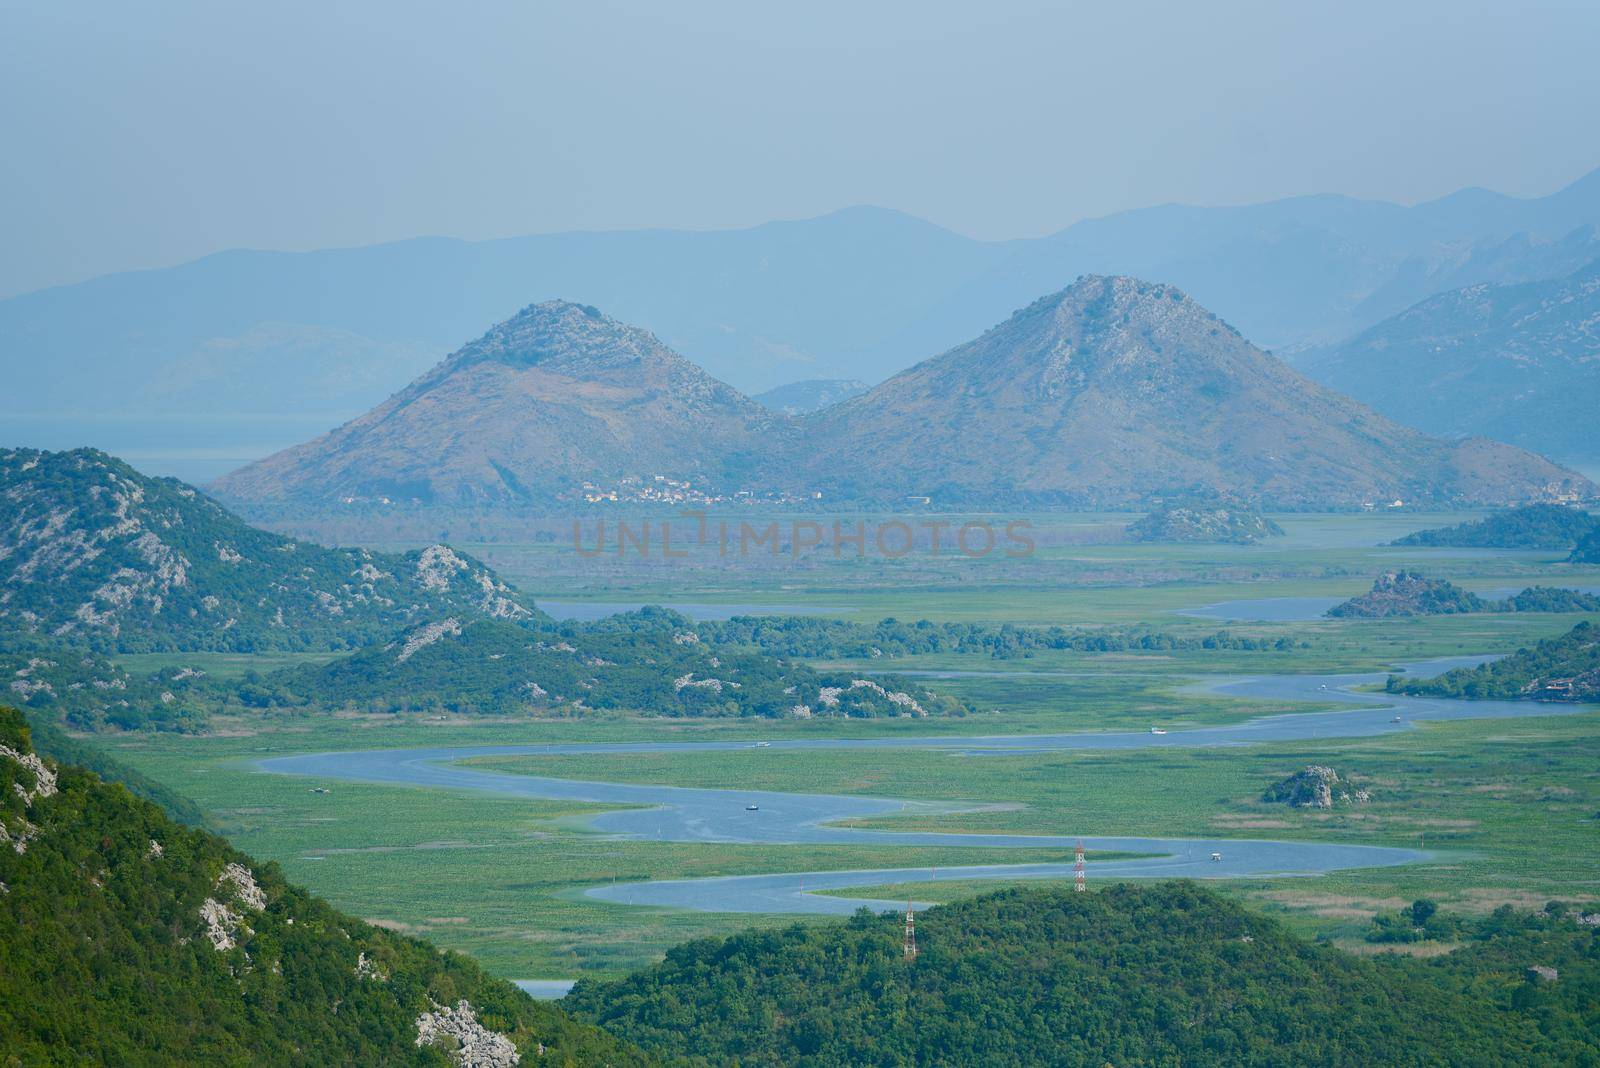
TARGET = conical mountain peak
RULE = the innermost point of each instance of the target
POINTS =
(565, 335)
(560, 401)
(1116, 390)
(1110, 392)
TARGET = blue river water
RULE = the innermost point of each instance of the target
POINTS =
(680, 814)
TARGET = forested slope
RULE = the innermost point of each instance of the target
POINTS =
(1566, 668)
(128, 939)
(1168, 974)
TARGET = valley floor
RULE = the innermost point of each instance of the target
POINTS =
(1508, 808)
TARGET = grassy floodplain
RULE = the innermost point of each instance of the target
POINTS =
(1510, 807)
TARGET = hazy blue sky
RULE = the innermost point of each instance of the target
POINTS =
(144, 134)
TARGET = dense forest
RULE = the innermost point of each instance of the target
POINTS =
(56, 745)
(1557, 669)
(817, 637)
(129, 939)
(653, 662)
(1588, 550)
(89, 691)
(1534, 526)
(1167, 974)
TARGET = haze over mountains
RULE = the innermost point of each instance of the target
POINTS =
(1516, 362)
(264, 337)
(1111, 392)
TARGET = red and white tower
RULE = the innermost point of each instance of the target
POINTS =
(1080, 878)
(911, 932)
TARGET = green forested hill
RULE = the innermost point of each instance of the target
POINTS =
(818, 637)
(1534, 526)
(128, 939)
(1557, 669)
(94, 553)
(1168, 974)
(1407, 593)
(651, 660)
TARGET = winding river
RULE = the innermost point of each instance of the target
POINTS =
(679, 814)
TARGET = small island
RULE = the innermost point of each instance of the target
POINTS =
(1203, 525)
(1408, 593)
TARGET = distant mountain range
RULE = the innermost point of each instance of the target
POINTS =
(1520, 363)
(1111, 392)
(812, 395)
(862, 293)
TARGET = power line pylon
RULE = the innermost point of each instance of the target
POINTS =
(1080, 878)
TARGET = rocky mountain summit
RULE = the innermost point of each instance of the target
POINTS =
(93, 552)
(1315, 786)
(555, 402)
(1116, 390)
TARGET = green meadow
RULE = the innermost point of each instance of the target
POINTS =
(1508, 808)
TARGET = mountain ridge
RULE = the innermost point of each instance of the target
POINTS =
(1518, 362)
(1112, 391)
(1117, 391)
(92, 552)
(1292, 273)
